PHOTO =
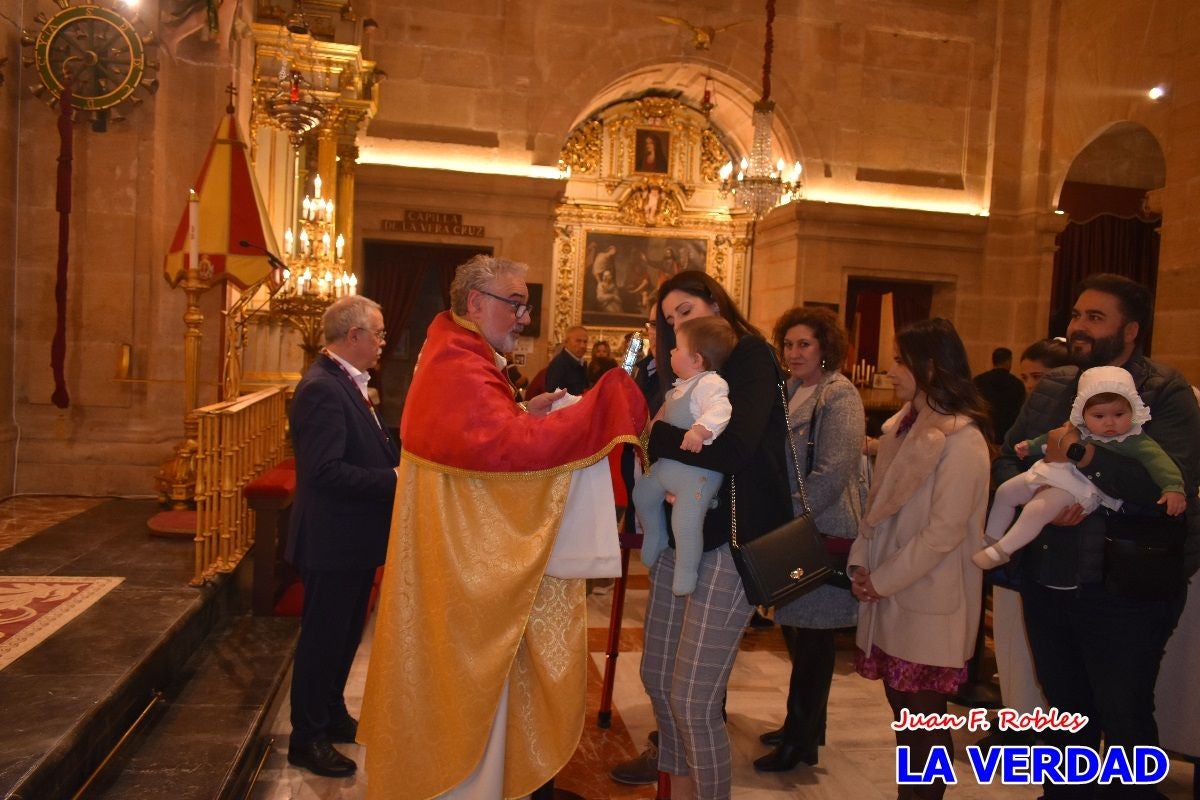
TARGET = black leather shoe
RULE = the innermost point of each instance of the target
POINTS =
(772, 738)
(784, 758)
(343, 731)
(641, 770)
(320, 758)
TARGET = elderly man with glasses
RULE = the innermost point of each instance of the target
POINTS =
(477, 681)
(345, 483)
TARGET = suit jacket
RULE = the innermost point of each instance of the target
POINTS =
(1004, 394)
(565, 371)
(345, 477)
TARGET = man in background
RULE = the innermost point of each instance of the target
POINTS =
(1003, 392)
(567, 370)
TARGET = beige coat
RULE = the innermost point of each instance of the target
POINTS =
(924, 520)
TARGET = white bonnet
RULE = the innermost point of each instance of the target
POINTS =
(1109, 379)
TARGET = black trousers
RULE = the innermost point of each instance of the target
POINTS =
(813, 655)
(1098, 654)
(335, 611)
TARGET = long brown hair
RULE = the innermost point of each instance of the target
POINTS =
(701, 286)
(933, 351)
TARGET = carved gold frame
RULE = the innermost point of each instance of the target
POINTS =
(607, 194)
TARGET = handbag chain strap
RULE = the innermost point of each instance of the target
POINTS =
(733, 540)
(792, 444)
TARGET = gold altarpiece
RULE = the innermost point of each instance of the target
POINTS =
(643, 201)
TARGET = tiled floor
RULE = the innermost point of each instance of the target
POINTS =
(858, 762)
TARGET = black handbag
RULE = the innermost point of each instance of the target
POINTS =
(1143, 555)
(782, 564)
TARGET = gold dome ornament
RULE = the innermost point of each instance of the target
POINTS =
(99, 51)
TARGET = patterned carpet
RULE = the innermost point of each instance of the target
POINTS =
(34, 607)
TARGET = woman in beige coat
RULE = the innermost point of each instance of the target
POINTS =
(911, 565)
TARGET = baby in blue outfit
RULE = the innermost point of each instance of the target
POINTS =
(699, 403)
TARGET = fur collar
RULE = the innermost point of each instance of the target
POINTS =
(917, 454)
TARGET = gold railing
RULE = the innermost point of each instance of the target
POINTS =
(238, 440)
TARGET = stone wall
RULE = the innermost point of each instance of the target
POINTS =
(129, 191)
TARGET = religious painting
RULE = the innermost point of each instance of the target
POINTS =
(651, 151)
(621, 274)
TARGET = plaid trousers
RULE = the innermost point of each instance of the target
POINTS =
(690, 645)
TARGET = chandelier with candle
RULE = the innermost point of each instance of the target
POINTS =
(316, 273)
(760, 183)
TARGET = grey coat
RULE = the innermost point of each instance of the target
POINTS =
(836, 491)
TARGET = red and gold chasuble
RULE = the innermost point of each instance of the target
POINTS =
(466, 607)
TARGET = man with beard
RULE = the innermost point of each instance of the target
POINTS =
(477, 684)
(1097, 651)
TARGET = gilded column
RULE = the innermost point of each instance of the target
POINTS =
(344, 210)
(327, 159)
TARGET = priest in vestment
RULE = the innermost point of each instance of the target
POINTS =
(477, 680)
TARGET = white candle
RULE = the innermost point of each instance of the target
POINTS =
(289, 243)
(353, 283)
(193, 229)
(340, 245)
(325, 243)
(317, 185)
(304, 242)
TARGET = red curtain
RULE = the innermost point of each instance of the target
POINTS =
(911, 302)
(1107, 243)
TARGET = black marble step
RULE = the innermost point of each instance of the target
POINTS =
(71, 698)
(208, 737)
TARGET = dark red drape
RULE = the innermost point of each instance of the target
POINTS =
(1107, 243)
(395, 288)
(396, 272)
(910, 302)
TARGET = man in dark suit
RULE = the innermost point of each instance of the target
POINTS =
(345, 486)
(1003, 392)
(567, 370)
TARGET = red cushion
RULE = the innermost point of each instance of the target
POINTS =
(278, 482)
(292, 602)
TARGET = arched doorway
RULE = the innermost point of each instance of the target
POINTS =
(1113, 227)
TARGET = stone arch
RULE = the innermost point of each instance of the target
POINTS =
(1123, 153)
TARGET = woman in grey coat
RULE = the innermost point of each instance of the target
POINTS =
(813, 345)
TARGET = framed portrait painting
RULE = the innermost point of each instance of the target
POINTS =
(652, 149)
(621, 273)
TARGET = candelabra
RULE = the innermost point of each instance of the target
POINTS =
(316, 273)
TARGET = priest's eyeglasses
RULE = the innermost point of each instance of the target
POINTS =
(519, 308)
